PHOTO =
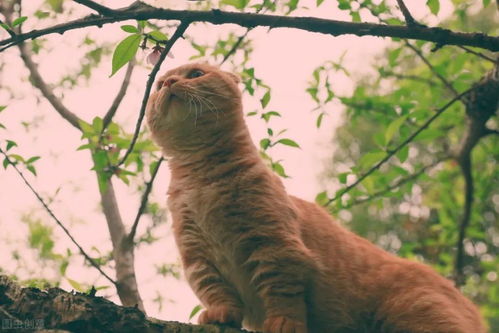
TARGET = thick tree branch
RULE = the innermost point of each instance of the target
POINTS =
(150, 81)
(59, 223)
(119, 97)
(143, 201)
(397, 149)
(141, 11)
(481, 105)
(56, 310)
(103, 10)
(123, 255)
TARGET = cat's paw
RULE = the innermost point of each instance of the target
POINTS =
(282, 324)
(221, 314)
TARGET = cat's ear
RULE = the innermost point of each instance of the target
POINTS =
(236, 78)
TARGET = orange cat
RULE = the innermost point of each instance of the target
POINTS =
(260, 258)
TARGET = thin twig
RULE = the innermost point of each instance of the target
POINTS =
(143, 201)
(103, 10)
(59, 223)
(235, 46)
(152, 76)
(481, 55)
(433, 70)
(397, 184)
(119, 97)
(141, 11)
(400, 146)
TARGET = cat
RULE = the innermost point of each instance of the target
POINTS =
(259, 258)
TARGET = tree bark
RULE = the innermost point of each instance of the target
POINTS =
(31, 309)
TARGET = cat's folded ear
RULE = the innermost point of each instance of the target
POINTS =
(235, 77)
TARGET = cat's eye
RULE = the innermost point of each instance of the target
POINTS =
(159, 84)
(195, 73)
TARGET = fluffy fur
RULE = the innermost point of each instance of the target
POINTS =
(260, 258)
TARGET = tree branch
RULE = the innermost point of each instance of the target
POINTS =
(396, 149)
(119, 97)
(433, 70)
(103, 10)
(59, 223)
(478, 54)
(143, 202)
(481, 105)
(409, 20)
(45, 89)
(150, 81)
(141, 11)
(397, 184)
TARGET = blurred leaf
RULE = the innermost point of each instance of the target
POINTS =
(265, 99)
(76, 285)
(239, 4)
(434, 6)
(129, 28)
(267, 115)
(158, 35)
(403, 153)
(393, 128)
(32, 159)
(371, 158)
(10, 144)
(56, 5)
(19, 21)
(264, 143)
(195, 310)
(322, 198)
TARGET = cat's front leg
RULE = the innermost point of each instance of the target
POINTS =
(280, 274)
(221, 300)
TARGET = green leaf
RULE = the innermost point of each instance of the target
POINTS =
(85, 146)
(371, 158)
(239, 4)
(97, 124)
(76, 285)
(63, 267)
(265, 99)
(2, 107)
(195, 310)
(252, 113)
(41, 14)
(5, 163)
(56, 5)
(434, 6)
(267, 115)
(393, 55)
(428, 135)
(129, 28)
(319, 2)
(158, 35)
(86, 127)
(393, 128)
(355, 16)
(5, 26)
(31, 169)
(18, 158)
(403, 153)
(10, 144)
(322, 198)
(32, 159)
(264, 143)
(125, 51)
(279, 169)
(485, 3)
(342, 177)
(288, 142)
(318, 122)
(19, 21)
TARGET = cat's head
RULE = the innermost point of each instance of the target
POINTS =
(191, 101)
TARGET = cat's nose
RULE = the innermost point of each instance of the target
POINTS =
(170, 81)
